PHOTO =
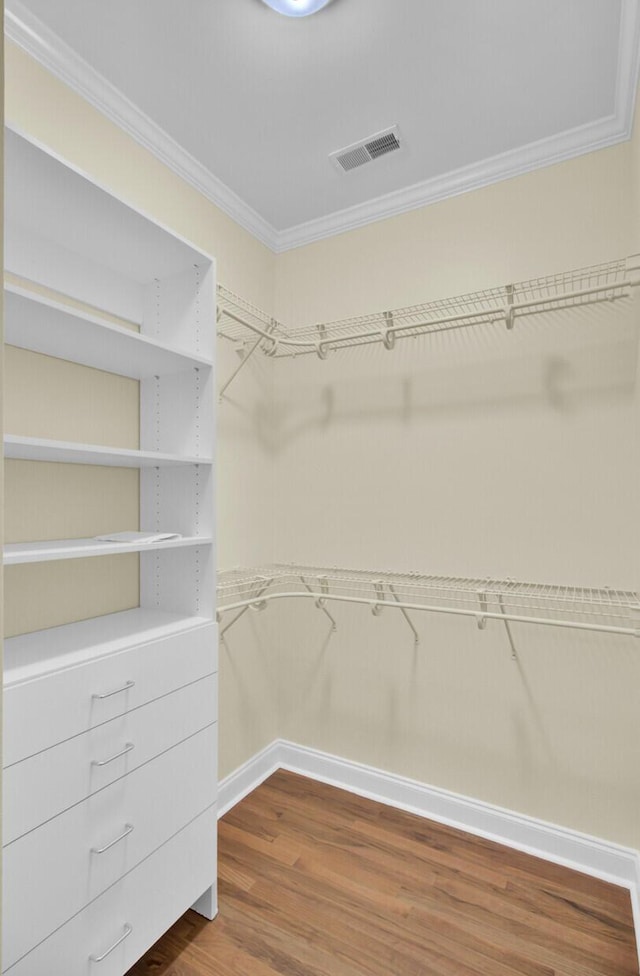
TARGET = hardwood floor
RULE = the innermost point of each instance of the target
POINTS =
(317, 882)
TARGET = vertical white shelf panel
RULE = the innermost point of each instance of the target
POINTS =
(85, 266)
(176, 309)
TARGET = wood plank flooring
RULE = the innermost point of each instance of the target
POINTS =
(317, 882)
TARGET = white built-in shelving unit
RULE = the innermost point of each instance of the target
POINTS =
(110, 767)
(69, 452)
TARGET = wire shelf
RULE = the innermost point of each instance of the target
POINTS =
(587, 608)
(239, 320)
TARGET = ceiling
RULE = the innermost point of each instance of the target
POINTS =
(248, 104)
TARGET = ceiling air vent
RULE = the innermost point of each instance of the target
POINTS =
(367, 150)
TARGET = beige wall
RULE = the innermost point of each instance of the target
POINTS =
(481, 453)
(569, 215)
(40, 106)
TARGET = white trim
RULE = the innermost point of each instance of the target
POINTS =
(576, 142)
(48, 49)
(580, 852)
(247, 777)
(635, 903)
(628, 65)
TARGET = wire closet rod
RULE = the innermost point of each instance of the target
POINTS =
(401, 605)
(596, 284)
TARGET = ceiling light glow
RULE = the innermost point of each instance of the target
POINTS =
(296, 8)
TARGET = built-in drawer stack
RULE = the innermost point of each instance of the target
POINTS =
(110, 686)
(102, 796)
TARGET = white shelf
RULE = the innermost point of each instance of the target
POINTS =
(58, 203)
(44, 651)
(39, 552)
(39, 323)
(68, 452)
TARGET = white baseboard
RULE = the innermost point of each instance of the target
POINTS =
(635, 903)
(590, 855)
(247, 777)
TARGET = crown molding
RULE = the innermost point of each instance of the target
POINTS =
(47, 48)
(597, 135)
(56, 56)
(567, 145)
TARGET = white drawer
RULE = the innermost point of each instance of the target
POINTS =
(147, 901)
(41, 787)
(57, 706)
(52, 872)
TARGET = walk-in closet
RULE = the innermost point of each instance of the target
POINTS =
(321, 412)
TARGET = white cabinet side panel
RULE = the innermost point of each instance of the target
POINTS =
(180, 310)
(180, 581)
(177, 500)
(176, 413)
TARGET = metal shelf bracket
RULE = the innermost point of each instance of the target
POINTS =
(507, 627)
(509, 312)
(246, 356)
(389, 336)
(379, 605)
(481, 619)
(262, 584)
(321, 602)
(378, 589)
(416, 636)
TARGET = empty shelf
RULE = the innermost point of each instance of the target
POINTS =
(68, 452)
(38, 323)
(31, 655)
(38, 552)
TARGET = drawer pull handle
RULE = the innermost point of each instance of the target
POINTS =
(128, 929)
(116, 691)
(128, 828)
(105, 762)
